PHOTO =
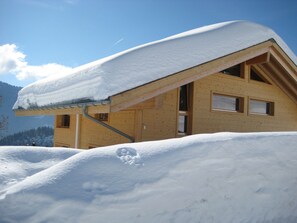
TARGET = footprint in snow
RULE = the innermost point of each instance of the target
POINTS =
(129, 156)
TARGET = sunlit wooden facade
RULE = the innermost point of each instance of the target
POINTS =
(248, 91)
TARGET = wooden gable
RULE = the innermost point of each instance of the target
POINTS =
(268, 56)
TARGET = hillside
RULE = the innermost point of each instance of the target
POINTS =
(207, 178)
(41, 136)
(8, 94)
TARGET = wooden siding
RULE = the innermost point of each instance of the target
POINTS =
(65, 136)
(206, 121)
(161, 123)
(95, 135)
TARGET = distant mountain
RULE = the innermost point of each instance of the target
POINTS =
(8, 96)
(41, 136)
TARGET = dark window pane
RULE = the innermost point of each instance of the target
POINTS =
(102, 116)
(183, 98)
(234, 71)
(66, 120)
(256, 77)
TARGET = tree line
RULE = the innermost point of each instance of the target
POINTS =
(41, 136)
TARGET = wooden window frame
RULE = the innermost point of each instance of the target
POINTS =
(62, 123)
(187, 113)
(270, 107)
(260, 74)
(242, 73)
(239, 106)
(103, 117)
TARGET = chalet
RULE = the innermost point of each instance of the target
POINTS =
(235, 76)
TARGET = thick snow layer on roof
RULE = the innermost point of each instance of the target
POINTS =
(101, 79)
(219, 178)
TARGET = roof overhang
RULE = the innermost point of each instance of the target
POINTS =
(267, 54)
(71, 108)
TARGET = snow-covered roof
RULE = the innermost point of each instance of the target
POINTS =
(101, 79)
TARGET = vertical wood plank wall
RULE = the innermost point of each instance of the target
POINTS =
(207, 121)
(65, 137)
(161, 122)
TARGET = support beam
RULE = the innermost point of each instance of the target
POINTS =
(85, 114)
(264, 58)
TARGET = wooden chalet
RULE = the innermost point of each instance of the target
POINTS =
(251, 90)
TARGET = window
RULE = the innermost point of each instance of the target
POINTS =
(234, 71)
(184, 109)
(0, 100)
(63, 121)
(103, 117)
(256, 76)
(182, 124)
(261, 107)
(227, 103)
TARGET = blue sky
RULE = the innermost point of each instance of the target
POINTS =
(55, 35)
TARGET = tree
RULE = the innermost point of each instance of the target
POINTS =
(3, 122)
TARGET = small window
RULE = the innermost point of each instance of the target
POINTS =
(182, 124)
(227, 103)
(183, 98)
(63, 121)
(256, 76)
(261, 107)
(103, 117)
(234, 71)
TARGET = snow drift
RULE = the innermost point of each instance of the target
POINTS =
(224, 177)
(99, 80)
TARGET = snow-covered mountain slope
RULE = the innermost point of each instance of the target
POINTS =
(8, 94)
(210, 178)
(134, 67)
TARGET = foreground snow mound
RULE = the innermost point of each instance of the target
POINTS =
(18, 163)
(224, 177)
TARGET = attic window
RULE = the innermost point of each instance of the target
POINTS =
(256, 76)
(103, 117)
(63, 121)
(261, 107)
(235, 71)
(227, 103)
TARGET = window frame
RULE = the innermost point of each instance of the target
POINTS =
(102, 117)
(61, 123)
(239, 103)
(187, 113)
(265, 79)
(242, 73)
(270, 106)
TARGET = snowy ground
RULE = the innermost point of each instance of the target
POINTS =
(223, 177)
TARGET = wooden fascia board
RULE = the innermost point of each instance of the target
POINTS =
(61, 111)
(284, 60)
(264, 58)
(281, 81)
(137, 95)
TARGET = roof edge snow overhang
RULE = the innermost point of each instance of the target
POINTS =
(66, 108)
(132, 97)
(139, 94)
